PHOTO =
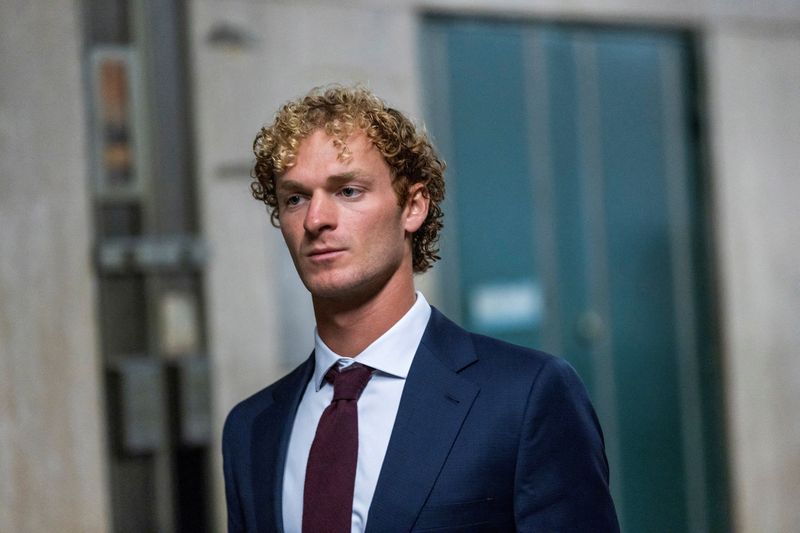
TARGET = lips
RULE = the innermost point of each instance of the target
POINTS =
(322, 254)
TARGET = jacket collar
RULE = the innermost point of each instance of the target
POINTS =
(434, 405)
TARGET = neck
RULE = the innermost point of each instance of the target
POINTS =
(351, 324)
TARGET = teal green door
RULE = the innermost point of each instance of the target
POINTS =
(574, 224)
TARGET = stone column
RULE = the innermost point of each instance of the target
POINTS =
(754, 74)
(52, 456)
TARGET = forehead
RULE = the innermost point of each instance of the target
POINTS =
(321, 155)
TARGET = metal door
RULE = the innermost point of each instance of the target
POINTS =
(149, 264)
(575, 224)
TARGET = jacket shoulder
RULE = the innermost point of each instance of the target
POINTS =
(491, 346)
(487, 359)
(519, 364)
(487, 348)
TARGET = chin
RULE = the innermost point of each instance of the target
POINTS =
(328, 287)
(344, 287)
(333, 291)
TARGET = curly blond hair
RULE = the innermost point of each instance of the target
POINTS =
(341, 111)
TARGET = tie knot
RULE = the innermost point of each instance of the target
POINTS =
(348, 382)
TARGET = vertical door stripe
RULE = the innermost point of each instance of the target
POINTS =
(538, 120)
(593, 187)
(438, 101)
(676, 166)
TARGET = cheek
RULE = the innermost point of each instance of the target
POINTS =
(388, 230)
(288, 237)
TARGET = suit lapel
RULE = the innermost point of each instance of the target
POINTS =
(435, 402)
(270, 439)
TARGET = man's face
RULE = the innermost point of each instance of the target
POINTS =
(341, 220)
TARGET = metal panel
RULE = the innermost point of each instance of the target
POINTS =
(640, 278)
(577, 144)
(494, 209)
(142, 405)
(193, 401)
(149, 263)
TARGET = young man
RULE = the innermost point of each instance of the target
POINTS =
(400, 420)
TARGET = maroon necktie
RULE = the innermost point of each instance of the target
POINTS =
(331, 469)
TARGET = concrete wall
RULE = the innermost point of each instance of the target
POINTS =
(52, 458)
(755, 88)
(750, 59)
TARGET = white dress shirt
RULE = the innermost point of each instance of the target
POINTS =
(391, 356)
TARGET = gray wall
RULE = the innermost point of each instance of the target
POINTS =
(52, 459)
(755, 105)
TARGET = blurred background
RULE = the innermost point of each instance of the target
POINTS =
(623, 188)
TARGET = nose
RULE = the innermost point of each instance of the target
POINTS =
(321, 214)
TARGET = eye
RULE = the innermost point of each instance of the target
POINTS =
(292, 200)
(349, 192)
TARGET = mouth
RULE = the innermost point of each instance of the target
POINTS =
(324, 254)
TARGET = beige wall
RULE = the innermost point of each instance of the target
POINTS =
(52, 457)
(750, 58)
(755, 104)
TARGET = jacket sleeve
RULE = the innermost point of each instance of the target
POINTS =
(561, 479)
(235, 513)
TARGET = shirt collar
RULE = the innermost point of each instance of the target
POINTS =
(391, 353)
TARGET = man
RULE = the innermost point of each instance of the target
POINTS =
(400, 420)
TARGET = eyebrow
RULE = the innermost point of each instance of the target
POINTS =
(333, 179)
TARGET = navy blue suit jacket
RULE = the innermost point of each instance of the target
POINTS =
(488, 437)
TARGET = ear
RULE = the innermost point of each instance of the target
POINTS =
(416, 208)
